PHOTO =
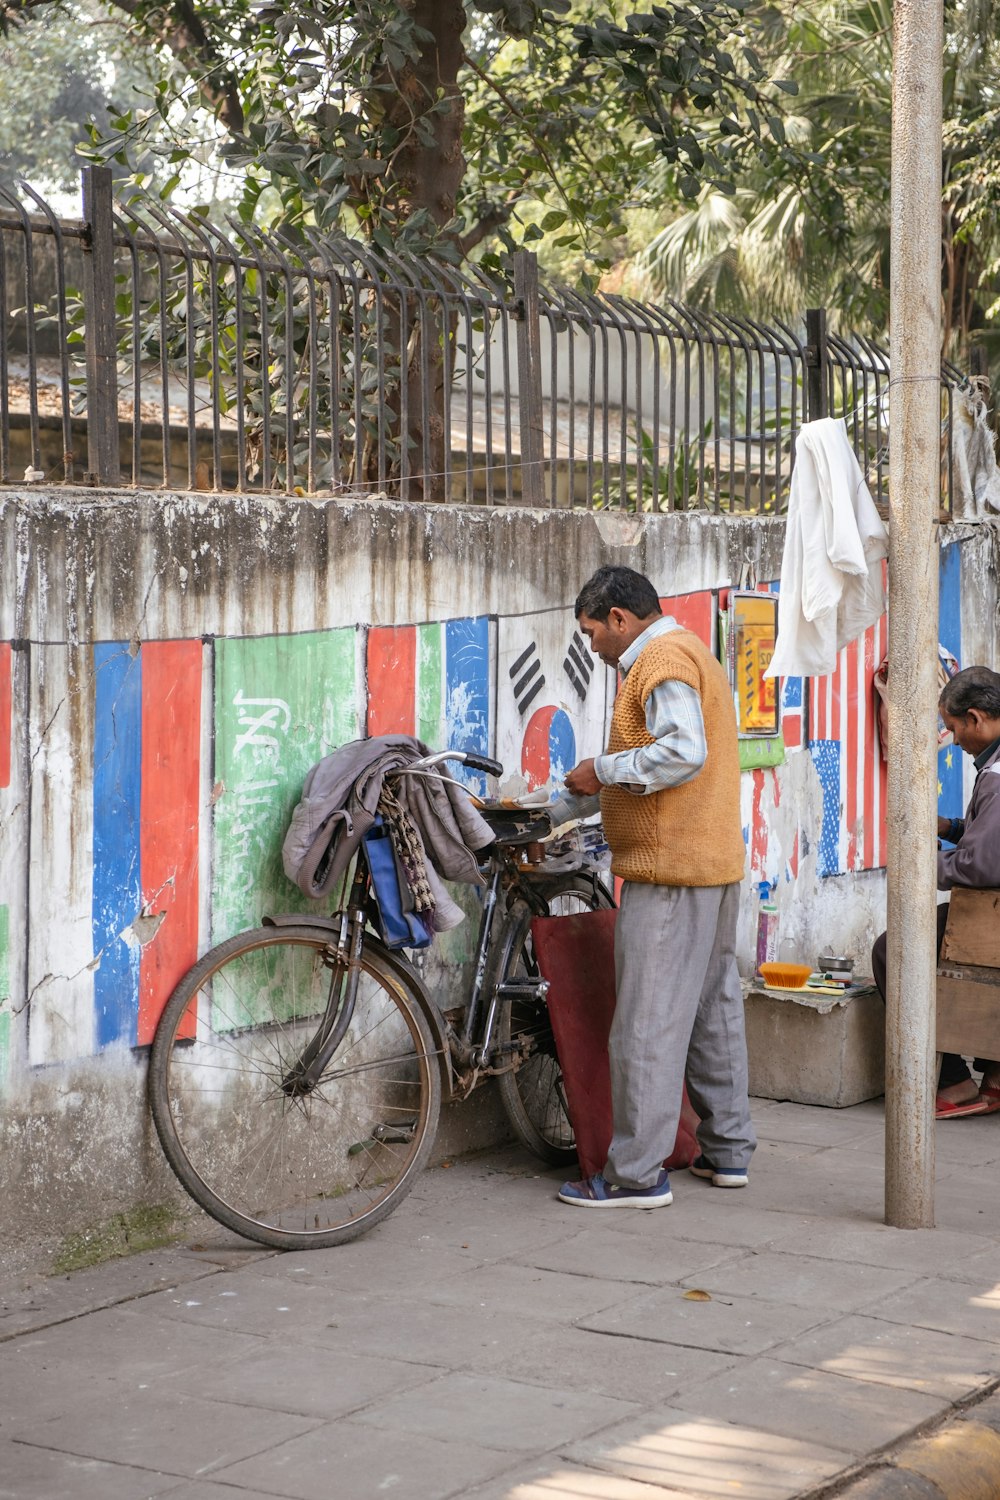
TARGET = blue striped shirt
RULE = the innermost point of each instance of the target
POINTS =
(678, 752)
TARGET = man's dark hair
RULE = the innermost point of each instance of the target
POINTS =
(617, 588)
(974, 687)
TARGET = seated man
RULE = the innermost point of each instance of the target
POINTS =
(970, 707)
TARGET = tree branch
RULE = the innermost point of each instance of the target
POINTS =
(494, 217)
(179, 28)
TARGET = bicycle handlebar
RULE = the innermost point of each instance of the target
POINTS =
(470, 758)
(477, 762)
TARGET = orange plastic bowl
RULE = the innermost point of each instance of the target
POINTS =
(785, 976)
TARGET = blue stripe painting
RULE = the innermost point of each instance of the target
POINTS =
(117, 895)
(826, 758)
(950, 794)
(467, 687)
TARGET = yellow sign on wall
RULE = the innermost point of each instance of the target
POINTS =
(754, 630)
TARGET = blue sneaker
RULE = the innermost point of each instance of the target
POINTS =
(720, 1176)
(597, 1192)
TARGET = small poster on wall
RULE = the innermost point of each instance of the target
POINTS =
(753, 629)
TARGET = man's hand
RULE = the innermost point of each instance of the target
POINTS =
(582, 780)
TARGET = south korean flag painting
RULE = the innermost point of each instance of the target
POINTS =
(554, 698)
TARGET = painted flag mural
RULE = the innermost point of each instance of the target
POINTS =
(281, 704)
(844, 745)
(431, 681)
(146, 821)
(552, 697)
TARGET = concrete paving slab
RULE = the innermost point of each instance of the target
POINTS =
(717, 1216)
(699, 1457)
(309, 1381)
(917, 1250)
(260, 1305)
(200, 1489)
(580, 1359)
(982, 1269)
(426, 1260)
(502, 1414)
(529, 1292)
(113, 1350)
(39, 1474)
(830, 1189)
(646, 1256)
(951, 1306)
(812, 1405)
(166, 1433)
(558, 1480)
(922, 1359)
(804, 1124)
(805, 1281)
(37, 1303)
(421, 1250)
(955, 1207)
(971, 1141)
(730, 1325)
(393, 1326)
(348, 1459)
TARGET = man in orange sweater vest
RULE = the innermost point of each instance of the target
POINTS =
(669, 793)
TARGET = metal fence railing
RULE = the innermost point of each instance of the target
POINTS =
(146, 347)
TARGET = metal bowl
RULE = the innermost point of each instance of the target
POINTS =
(829, 963)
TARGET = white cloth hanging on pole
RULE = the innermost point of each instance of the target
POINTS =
(831, 567)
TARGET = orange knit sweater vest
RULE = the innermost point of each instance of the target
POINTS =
(689, 834)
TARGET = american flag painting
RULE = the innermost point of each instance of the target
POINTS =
(844, 744)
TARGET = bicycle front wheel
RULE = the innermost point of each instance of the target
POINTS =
(532, 1094)
(291, 1169)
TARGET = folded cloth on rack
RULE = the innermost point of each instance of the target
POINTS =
(976, 480)
(338, 806)
(831, 566)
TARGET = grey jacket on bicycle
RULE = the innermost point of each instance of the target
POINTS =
(338, 806)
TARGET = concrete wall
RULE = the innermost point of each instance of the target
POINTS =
(170, 666)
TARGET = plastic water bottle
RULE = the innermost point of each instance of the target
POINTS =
(767, 926)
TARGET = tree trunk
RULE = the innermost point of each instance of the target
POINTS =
(426, 174)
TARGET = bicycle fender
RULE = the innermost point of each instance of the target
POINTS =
(404, 971)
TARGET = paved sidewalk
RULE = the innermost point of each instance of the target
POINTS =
(490, 1342)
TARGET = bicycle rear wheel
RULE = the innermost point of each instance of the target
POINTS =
(294, 1171)
(532, 1094)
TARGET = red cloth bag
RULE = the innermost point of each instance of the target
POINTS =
(577, 956)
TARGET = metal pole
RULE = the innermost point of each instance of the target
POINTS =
(103, 458)
(529, 377)
(817, 363)
(914, 493)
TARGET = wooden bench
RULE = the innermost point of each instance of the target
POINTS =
(968, 976)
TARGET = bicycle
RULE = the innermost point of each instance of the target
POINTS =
(297, 1071)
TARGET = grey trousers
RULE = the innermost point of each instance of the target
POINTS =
(679, 1014)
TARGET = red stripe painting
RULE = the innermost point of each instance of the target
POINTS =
(169, 819)
(693, 611)
(392, 665)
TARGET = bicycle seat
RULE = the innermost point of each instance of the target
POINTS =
(516, 825)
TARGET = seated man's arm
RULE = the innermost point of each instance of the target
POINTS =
(975, 860)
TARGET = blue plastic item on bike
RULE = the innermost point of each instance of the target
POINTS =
(400, 928)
